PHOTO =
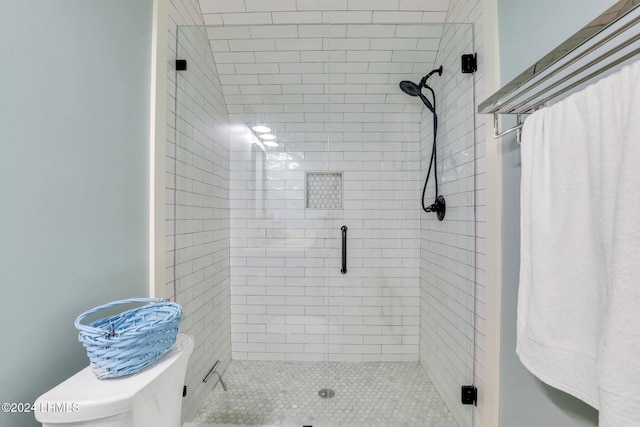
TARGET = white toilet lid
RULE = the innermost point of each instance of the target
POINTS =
(83, 397)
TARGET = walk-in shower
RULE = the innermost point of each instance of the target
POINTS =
(255, 230)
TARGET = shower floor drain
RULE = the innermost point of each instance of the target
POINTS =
(326, 393)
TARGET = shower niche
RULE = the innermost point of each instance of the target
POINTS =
(324, 190)
(338, 144)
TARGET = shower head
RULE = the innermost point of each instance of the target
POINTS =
(412, 89)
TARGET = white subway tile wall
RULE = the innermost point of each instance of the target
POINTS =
(338, 108)
(447, 252)
(262, 12)
(197, 197)
(293, 71)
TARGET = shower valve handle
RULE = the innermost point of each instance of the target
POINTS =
(439, 207)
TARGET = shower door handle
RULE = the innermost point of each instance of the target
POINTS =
(344, 249)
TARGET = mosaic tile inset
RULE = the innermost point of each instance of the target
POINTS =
(324, 190)
(285, 394)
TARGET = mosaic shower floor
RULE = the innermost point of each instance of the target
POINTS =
(285, 394)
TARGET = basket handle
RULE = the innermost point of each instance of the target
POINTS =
(90, 329)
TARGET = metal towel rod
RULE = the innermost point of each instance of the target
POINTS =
(614, 35)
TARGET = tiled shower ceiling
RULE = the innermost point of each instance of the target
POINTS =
(340, 60)
(261, 12)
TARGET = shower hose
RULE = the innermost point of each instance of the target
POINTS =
(432, 207)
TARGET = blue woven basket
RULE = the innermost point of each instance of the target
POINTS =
(130, 341)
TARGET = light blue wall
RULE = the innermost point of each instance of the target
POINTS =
(528, 30)
(74, 102)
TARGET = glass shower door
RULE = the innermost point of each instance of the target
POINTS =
(324, 148)
(400, 321)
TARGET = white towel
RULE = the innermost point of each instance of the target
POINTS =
(579, 296)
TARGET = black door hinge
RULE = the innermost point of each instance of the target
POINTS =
(181, 64)
(469, 395)
(470, 63)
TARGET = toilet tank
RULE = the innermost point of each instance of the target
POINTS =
(152, 397)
